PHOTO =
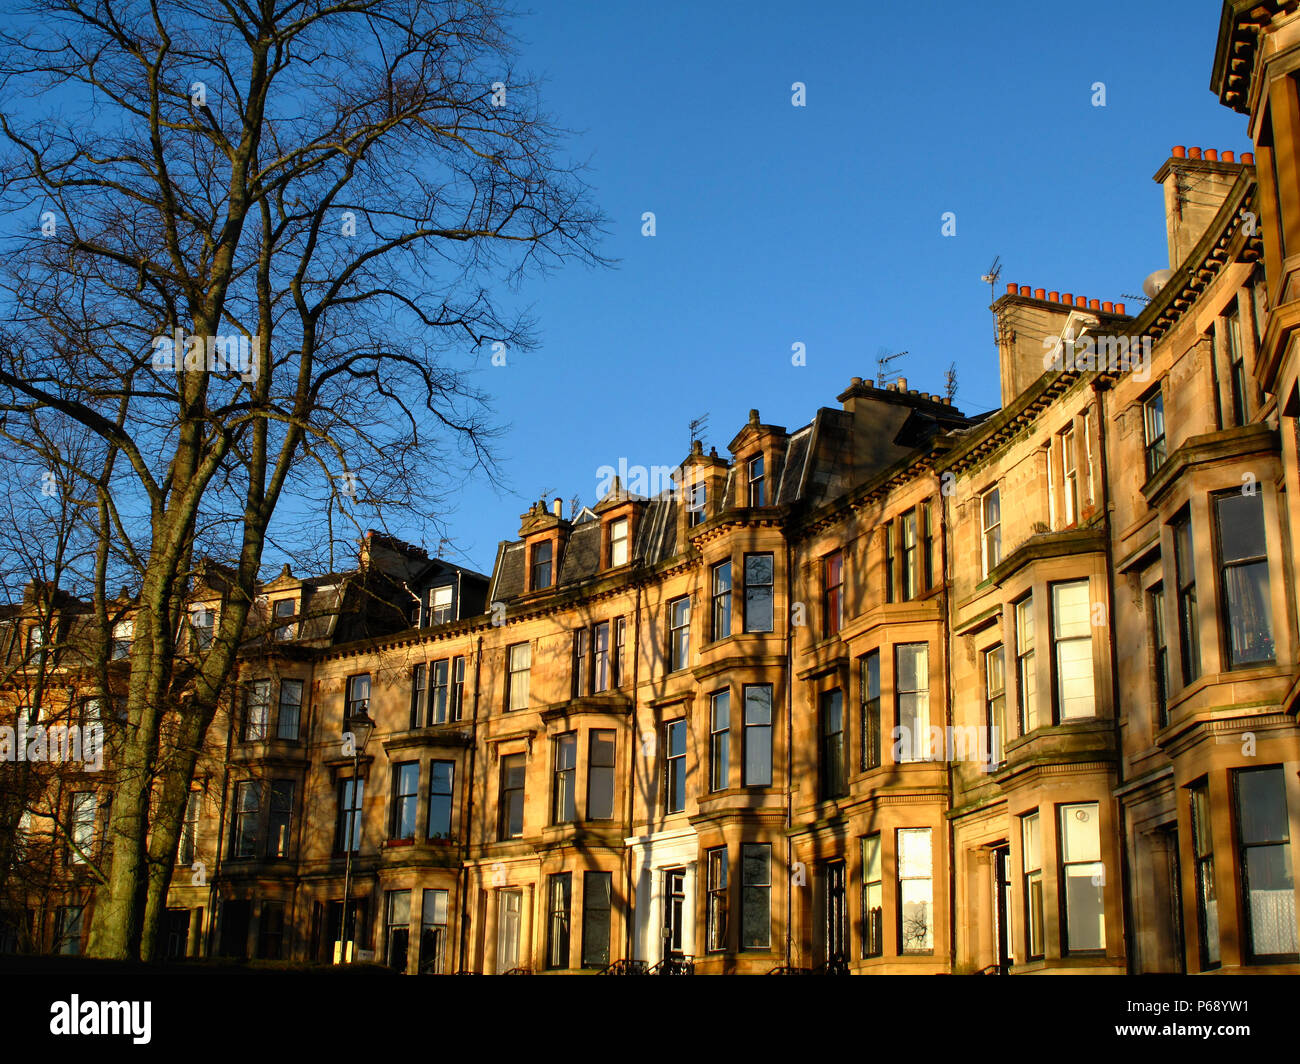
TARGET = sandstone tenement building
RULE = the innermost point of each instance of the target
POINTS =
(900, 690)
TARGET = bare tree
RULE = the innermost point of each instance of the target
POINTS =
(331, 185)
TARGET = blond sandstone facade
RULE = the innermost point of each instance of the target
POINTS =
(898, 691)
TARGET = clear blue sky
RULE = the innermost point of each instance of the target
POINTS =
(821, 224)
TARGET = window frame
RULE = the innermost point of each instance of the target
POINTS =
(757, 735)
(757, 593)
(518, 678)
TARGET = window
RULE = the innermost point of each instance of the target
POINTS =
(833, 593)
(189, 830)
(675, 766)
(512, 796)
(758, 592)
(563, 806)
(1033, 866)
(123, 633)
(347, 834)
(1268, 890)
(995, 703)
(1207, 895)
(832, 727)
(559, 887)
(758, 735)
(1160, 646)
(67, 929)
(358, 696)
(912, 689)
(1189, 623)
(581, 662)
(1236, 364)
(82, 827)
(1070, 476)
(204, 621)
(457, 688)
(257, 709)
(406, 791)
(757, 492)
(597, 902)
(908, 527)
(869, 696)
(1153, 431)
(442, 775)
(620, 645)
(440, 603)
(520, 658)
(248, 809)
(1082, 876)
(873, 938)
(991, 531)
(281, 611)
(679, 633)
(541, 565)
(1026, 668)
(1243, 564)
(927, 546)
(281, 817)
(600, 670)
(289, 716)
(695, 500)
(433, 932)
(889, 562)
(440, 692)
(719, 739)
(915, 891)
(601, 747)
(721, 582)
(755, 896)
(397, 936)
(715, 914)
(419, 685)
(1072, 636)
(618, 553)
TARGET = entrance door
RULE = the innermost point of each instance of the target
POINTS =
(1168, 834)
(178, 933)
(674, 911)
(509, 908)
(1002, 907)
(836, 952)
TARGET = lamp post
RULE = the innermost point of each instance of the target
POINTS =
(359, 726)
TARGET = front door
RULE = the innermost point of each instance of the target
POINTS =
(835, 929)
(1002, 906)
(510, 908)
(674, 911)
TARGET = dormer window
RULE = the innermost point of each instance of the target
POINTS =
(440, 604)
(695, 499)
(543, 554)
(123, 633)
(618, 542)
(281, 611)
(204, 621)
(757, 482)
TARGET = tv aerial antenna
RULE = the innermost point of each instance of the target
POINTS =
(697, 427)
(883, 359)
(990, 278)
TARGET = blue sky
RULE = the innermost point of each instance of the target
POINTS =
(822, 224)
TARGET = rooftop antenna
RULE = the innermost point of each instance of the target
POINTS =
(950, 383)
(443, 542)
(697, 428)
(991, 279)
(882, 364)
(575, 504)
(1136, 299)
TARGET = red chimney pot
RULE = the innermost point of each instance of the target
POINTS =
(1179, 152)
